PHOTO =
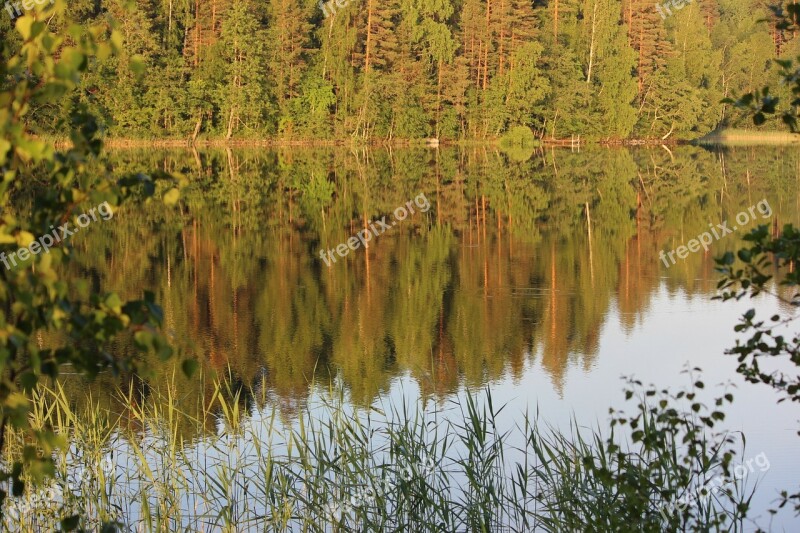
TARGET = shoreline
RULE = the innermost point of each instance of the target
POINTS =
(406, 143)
(724, 138)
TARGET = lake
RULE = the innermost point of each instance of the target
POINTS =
(538, 275)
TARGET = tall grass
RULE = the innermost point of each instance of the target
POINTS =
(388, 468)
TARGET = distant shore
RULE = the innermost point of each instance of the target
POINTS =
(716, 138)
(375, 143)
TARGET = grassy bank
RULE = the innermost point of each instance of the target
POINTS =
(734, 137)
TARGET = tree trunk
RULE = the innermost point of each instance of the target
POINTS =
(488, 42)
(438, 96)
(555, 21)
(196, 32)
(197, 127)
(591, 45)
(230, 123)
(368, 45)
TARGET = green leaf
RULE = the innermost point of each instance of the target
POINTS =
(71, 523)
(113, 302)
(5, 145)
(137, 65)
(172, 196)
(28, 380)
(111, 527)
(143, 340)
(24, 26)
(189, 367)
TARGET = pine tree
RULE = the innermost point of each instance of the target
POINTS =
(242, 56)
(435, 45)
(648, 37)
(204, 29)
(287, 51)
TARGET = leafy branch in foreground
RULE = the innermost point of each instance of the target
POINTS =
(765, 253)
(779, 254)
(660, 480)
(764, 258)
(44, 325)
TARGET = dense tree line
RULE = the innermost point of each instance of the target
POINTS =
(405, 69)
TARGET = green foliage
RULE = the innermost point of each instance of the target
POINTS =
(754, 277)
(519, 143)
(655, 483)
(766, 104)
(409, 69)
(396, 467)
(765, 258)
(36, 301)
(521, 136)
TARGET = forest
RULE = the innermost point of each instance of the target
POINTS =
(191, 363)
(395, 70)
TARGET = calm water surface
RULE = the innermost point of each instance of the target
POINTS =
(536, 274)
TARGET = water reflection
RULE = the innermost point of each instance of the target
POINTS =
(514, 261)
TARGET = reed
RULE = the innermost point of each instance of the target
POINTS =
(388, 468)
